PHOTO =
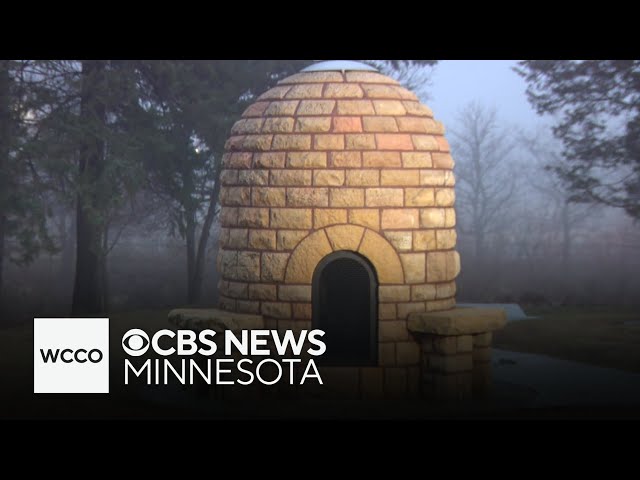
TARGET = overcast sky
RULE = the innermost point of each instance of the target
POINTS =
(492, 82)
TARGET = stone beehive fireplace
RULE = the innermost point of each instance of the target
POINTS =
(338, 213)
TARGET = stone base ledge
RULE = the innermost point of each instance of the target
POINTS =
(458, 321)
(214, 319)
(456, 350)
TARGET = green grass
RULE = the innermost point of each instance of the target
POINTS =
(593, 335)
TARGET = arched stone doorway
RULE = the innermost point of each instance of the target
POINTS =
(345, 304)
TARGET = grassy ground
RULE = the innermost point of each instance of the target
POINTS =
(593, 335)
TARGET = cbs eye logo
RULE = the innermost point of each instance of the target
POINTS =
(135, 342)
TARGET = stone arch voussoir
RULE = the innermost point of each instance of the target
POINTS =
(364, 241)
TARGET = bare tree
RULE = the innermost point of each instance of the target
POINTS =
(485, 183)
(565, 210)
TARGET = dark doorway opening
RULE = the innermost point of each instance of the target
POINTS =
(345, 307)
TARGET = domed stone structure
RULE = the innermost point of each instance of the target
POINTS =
(338, 213)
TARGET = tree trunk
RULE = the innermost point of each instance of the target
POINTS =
(191, 255)
(67, 233)
(87, 294)
(104, 277)
(479, 243)
(5, 133)
(3, 221)
(566, 236)
(198, 274)
(478, 204)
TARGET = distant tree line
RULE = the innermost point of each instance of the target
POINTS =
(522, 227)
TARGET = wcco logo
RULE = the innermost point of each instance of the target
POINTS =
(81, 355)
(71, 355)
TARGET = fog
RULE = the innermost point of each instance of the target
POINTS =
(520, 237)
(490, 82)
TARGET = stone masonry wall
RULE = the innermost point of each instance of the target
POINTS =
(330, 161)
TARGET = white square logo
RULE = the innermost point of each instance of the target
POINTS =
(70, 355)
